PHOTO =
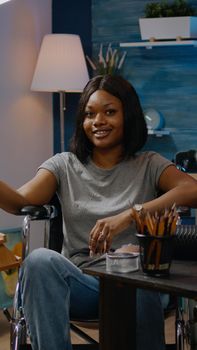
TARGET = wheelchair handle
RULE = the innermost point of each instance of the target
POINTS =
(39, 212)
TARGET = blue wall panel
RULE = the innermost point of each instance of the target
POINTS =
(164, 77)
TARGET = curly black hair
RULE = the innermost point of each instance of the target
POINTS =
(135, 129)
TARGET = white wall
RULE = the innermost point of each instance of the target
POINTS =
(25, 117)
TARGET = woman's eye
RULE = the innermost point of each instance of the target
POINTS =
(89, 114)
(110, 111)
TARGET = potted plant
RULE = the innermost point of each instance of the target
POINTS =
(168, 20)
(109, 61)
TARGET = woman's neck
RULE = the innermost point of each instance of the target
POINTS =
(105, 159)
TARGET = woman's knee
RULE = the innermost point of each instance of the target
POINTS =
(37, 262)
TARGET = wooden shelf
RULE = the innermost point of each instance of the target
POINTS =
(158, 133)
(151, 44)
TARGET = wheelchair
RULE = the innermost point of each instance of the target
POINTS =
(53, 239)
(185, 315)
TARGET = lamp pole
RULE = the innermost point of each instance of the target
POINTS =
(62, 114)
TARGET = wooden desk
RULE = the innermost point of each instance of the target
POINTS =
(193, 175)
(118, 300)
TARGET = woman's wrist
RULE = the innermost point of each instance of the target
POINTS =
(137, 208)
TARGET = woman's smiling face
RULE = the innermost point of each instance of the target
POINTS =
(104, 122)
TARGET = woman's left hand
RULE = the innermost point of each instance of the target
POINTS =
(102, 234)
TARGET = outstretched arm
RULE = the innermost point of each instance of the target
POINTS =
(37, 191)
(10, 200)
(177, 187)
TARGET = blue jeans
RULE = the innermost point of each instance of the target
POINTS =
(53, 290)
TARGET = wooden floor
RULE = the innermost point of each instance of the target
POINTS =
(4, 332)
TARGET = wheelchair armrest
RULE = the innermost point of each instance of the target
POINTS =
(39, 212)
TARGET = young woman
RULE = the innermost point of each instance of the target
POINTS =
(98, 183)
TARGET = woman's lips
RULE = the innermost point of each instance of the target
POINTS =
(101, 133)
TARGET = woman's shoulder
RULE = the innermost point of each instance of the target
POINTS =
(59, 160)
(151, 158)
(150, 155)
(69, 161)
(145, 156)
(64, 157)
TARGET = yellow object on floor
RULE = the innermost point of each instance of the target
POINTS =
(11, 249)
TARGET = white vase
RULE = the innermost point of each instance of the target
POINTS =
(168, 28)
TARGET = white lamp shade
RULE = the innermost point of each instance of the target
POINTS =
(2, 1)
(61, 65)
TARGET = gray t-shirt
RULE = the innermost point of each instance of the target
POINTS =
(88, 193)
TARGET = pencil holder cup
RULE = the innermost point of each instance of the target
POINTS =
(156, 253)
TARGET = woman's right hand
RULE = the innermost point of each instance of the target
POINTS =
(102, 234)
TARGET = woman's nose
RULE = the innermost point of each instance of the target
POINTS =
(99, 119)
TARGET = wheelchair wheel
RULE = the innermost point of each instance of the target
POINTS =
(18, 330)
(181, 329)
(192, 307)
(186, 325)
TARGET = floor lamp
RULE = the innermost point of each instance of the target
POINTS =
(61, 67)
(2, 1)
